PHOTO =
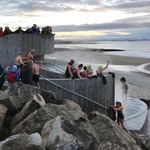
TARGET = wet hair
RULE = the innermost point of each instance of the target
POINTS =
(81, 65)
(85, 67)
(72, 61)
(21, 53)
(123, 79)
(119, 103)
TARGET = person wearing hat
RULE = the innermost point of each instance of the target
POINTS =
(101, 69)
(89, 71)
(13, 78)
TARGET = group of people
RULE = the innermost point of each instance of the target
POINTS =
(73, 72)
(24, 70)
(34, 30)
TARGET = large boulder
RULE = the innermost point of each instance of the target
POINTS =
(28, 109)
(26, 92)
(142, 139)
(112, 136)
(35, 121)
(23, 142)
(62, 133)
(4, 99)
(3, 112)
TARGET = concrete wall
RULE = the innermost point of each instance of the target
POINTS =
(93, 89)
(12, 44)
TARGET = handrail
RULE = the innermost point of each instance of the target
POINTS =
(46, 79)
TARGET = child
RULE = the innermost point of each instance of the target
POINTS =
(120, 117)
(13, 78)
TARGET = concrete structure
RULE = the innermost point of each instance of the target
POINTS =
(83, 91)
(12, 44)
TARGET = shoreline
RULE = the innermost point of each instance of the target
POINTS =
(102, 57)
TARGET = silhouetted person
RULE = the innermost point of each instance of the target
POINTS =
(34, 29)
(19, 30)
(7, 31)
(1, 32)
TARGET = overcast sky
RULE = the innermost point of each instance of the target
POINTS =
(80, 18)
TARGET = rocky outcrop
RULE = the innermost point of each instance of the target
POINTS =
(28, 109)
(112, 136)
(47, 123)
(3, 112)
(23, 142)
(62, 133)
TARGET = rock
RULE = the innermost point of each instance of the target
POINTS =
(4, 99)
(35, 121)
(27, 91)
(28, 109)
(112, 136)
(22, 142)
(142, 139)
(61, 133)
(3, 112)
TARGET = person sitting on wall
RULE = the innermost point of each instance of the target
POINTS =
(27, 30)
(70, 69)
(7, 31)
(36, 74)
(1, 32)
(18, 60)
(34, 29)
(44, 30)
(77, 72)
(38, 30)
(89, 71)
(100, 70)
(49, 30)
(30, 55)
(84, 73)
(19, 30)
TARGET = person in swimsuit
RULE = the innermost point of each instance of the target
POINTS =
(101, 69)
(36, 74)
(77, 73)
(70, 69)
(120, 117)
(18, 60)
(30, 56)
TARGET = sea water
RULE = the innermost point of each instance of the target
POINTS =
(130, 48)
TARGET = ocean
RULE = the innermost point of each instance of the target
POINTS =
(131, 48)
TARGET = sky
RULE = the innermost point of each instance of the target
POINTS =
(81, 19)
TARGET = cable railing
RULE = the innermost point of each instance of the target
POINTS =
(81, 96)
